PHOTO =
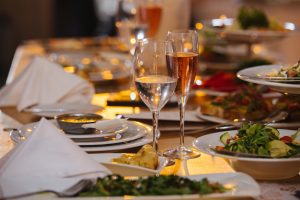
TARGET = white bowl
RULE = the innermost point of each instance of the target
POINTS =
(258, 168)
(125, 169)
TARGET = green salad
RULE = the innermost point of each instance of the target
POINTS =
(262, 140)
(115, 185)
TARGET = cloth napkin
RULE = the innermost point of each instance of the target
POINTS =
(46, 160)
(107, 125)
(45, 82)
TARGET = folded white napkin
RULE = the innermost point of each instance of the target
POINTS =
(45, 82)
(190, 116)
(107, 125)
(46, 160)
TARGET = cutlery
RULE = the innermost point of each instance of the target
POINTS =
(275, 116)
(70, 192)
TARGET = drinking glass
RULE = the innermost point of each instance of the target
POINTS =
(155, 81)
(182, 54)
(149, 12)
(128, 26)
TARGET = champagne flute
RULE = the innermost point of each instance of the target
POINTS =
(154, 81)
(183, 55)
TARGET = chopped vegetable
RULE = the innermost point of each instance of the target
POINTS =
(278, 149)
(296, 138)
(225, 137)
(115, 185)
(261, 140)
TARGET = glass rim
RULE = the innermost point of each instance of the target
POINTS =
(148, 40)
(182, 31)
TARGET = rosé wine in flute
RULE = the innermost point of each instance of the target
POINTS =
(186, 63)
(182, 55)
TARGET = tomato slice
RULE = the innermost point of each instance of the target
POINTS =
(219, 148)
(286, 139)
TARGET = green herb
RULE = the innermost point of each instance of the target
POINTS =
(249, 17)
(115, 185)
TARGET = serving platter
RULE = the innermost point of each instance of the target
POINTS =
(243, 186)
(224, 27)
(258, 75)
(259, 168)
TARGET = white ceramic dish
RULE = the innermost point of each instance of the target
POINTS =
(257, 75)
(137, 135)
(52, 110)
(243, 186)
(133, 132)
(259, 168)
(127, 170)
(225, 28)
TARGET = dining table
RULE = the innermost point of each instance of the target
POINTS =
(205, 164)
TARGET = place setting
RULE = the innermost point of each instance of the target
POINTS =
(155, 99)
(88, 132)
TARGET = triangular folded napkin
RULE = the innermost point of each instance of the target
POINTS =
(46, 160)
(45, 82)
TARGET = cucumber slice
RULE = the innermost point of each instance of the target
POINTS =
(273, 130)
(224, 137)
(296, 138)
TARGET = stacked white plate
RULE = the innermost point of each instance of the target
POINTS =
(129, 135)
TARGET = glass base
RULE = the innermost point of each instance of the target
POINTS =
(182, 153)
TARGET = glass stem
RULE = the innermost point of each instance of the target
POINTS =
(182, 102)
(155, 115)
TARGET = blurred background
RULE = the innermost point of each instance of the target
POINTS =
(35, 19)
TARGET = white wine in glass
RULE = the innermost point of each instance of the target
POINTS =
(154, 81)
(182, 54)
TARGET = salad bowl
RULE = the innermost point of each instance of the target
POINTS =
(258, 167)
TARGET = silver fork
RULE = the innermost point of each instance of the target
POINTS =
(70, 192)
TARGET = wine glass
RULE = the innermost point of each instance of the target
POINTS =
(128, 26)
(155, 81)
(182, 54)
(150, 12)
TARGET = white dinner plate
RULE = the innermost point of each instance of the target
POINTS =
(259, 168)
(52, 110)
(127, 170)
(257, 75)
(225, 28)
(137, 135)
(133, 132)
(242, 186)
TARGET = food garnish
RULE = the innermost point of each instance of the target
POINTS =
(145, 157)
(287, 71)
(261, 140)
(115, 185)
